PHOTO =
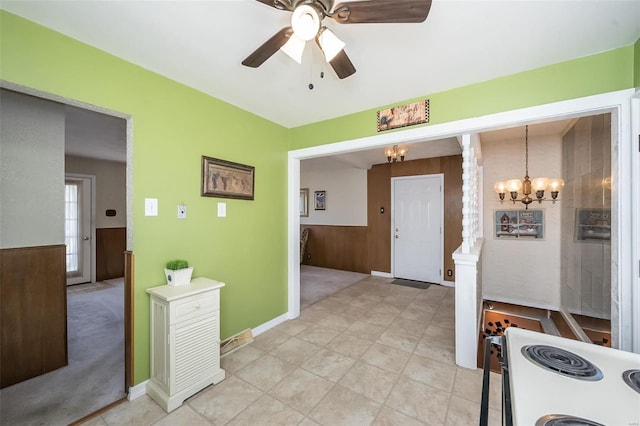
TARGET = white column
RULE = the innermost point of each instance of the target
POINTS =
(468, 256)
(468, 304)
(470, 191)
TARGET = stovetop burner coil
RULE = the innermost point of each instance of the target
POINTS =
(632, 378)
(563, 362)
(564, 420)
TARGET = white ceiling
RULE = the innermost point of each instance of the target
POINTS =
(94, 135)
(201, 44)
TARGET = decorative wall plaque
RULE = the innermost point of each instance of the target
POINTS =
(403, 115)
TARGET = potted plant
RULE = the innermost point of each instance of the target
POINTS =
(178, 272)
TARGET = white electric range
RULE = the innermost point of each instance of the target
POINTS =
(557, 381)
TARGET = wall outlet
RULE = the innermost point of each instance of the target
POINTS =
(308, 255)
(449, 273)
(182, 212)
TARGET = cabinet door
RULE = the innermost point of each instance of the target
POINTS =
(195, 351)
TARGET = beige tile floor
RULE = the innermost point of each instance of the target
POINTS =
(372, 354)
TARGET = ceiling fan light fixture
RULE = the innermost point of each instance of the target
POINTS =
(305, 22)
(330, 44)
(294, 48)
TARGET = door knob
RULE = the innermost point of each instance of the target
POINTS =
(396, 236)
(85, 238)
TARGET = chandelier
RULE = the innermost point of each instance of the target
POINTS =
(538, 185)
(394, 153)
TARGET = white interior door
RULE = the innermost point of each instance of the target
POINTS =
(78, 229)
(417, 228)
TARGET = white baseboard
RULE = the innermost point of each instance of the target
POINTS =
(270, 324)
(137, 391)
(381, 274)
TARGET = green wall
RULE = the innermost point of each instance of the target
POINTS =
(173, 126)
(590, 75)
(636, 64)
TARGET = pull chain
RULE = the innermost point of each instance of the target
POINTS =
(526, 150)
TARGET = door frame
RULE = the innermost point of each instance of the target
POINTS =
(618, 103)
(635, 238)
(128, 283)
(440, 177)
(92, 219)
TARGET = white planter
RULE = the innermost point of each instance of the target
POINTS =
(179, 276)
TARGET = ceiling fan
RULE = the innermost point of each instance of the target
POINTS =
(306, 24)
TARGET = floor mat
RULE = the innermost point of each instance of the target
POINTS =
(411, 283)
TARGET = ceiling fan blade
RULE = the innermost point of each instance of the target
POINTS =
(342, 65)
(278, 4)
(268, 48)
(382, 11)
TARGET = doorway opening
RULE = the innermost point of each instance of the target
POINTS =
(616, 102)
(98, 319)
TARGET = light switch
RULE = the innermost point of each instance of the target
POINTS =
(151, 207)
(182, 212)
(222, 209)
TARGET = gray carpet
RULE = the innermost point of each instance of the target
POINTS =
(94, 377)
(317, 283)
(411, 283)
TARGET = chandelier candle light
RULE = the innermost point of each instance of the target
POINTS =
(394, 153)
(539, 185)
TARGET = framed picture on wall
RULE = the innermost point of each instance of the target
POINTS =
(593, 225)
(519, 224)
(225, 179)
(304, 202)
(320, 198)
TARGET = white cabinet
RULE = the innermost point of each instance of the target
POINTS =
(185, 341)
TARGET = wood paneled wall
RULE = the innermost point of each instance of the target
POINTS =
(379, 197)
(337, 247)
(33, 312)
(379, 218)
(110, 246)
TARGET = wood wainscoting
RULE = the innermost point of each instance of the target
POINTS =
(110, 245)
(337, 247)
(33, 312)
(379, 207)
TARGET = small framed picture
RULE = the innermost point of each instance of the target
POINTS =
(320, 198)
(519, 224)
(304, 202)
(593, 225)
